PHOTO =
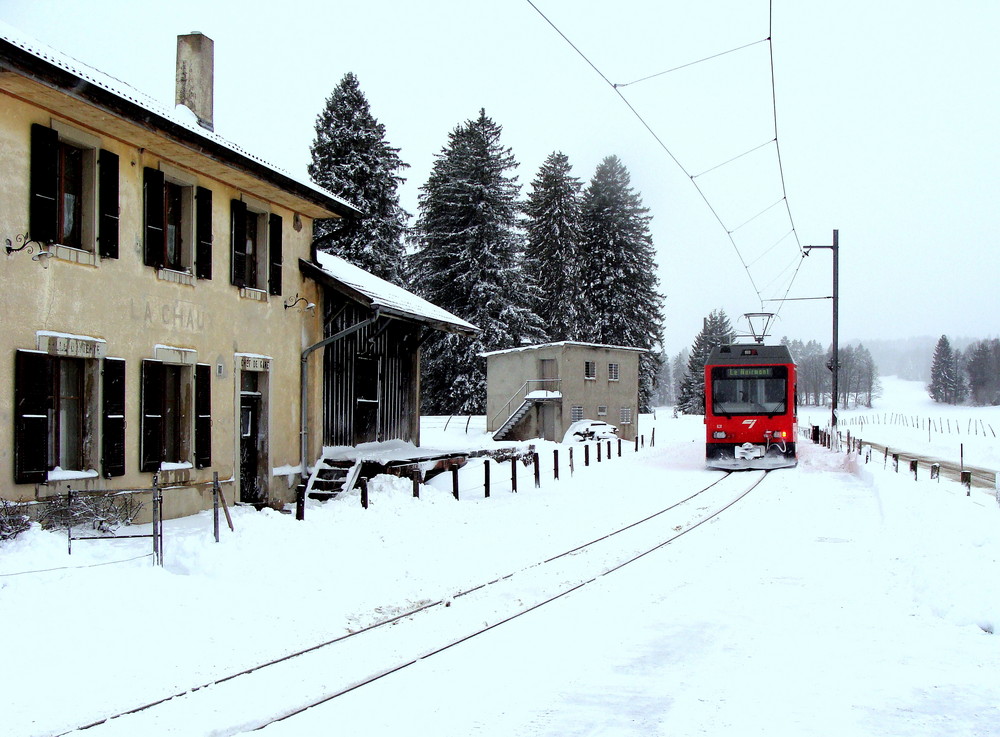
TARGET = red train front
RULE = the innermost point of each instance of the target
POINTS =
(750, 407)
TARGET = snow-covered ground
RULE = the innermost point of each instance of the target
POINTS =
(836, 599)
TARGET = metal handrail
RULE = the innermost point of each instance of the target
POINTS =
(520, 396)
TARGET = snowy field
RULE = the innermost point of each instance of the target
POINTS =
(835, 599)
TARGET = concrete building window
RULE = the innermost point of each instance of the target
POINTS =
(575, 413)
(613, 372)
(602, 411)
(590, 369)
(73, 191)
(177, 217)
(56, 415)
(256, 247)
(625, 416)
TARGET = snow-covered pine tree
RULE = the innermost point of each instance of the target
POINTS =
(469, 260)
(553, 246)
(351, 159)
(943, 377)
(621, 304)
(716, 330)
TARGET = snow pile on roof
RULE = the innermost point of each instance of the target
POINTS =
(564, 343)
(177, 114)
(387, 297)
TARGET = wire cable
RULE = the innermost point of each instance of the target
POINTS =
(774, 114)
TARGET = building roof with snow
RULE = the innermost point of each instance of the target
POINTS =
(387, 298)
(563, 343)
(41, 63)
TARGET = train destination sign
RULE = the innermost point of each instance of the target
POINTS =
(750, 372)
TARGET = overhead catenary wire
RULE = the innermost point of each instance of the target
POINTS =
(715, 213)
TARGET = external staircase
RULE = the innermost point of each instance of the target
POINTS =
(331, 477)
(532, 393)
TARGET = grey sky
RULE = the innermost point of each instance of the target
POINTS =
(887, 117)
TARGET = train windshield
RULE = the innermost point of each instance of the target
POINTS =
(749, 390)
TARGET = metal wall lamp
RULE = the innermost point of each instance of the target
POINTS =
(292, 301)
(29, 245)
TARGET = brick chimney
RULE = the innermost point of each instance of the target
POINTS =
(196, 77)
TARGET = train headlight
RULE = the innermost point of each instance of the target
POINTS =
(719, 435)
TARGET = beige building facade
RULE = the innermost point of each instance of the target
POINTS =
(155, 305)
(539, 391)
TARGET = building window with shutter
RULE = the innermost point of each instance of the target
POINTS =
(57, 419)
(590, 370)
(177, 218)
(613, 372)
(73, 193)
(256, 247)
(167, 422)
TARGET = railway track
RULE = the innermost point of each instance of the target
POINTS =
(275, 690)
(982, 478)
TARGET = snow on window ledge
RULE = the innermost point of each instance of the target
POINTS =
(59, 474)
(172, 466)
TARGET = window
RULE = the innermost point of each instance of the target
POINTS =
(56, 411)
(255, 247)
(602, 411)
(73, 190)
(177, 222)
(171, 426)
(625, 416)
(590, 370)
(613, 372)
(575, 413)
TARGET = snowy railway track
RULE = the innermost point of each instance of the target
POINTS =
(356, 659)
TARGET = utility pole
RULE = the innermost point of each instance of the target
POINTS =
(834, 364)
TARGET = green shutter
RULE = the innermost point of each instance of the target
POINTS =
(203, 233)
(113, 418)
(107, 225)
(202, 415)
(152, 200)
(44, 184)
(274, 254)
(151, 401)
(32, 402)
(238, 242)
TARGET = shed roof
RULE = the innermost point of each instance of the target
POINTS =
(375, 293)
(564, 344)
(45, 65)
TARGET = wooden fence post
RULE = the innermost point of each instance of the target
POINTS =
(538, 470)
(416, 483)
(486, 480)
(513, 474)
(364, 492)
(454, 482)
(586, 454)
(555, 464)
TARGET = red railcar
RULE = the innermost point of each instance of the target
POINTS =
(750, 407)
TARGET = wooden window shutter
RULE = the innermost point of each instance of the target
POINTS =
(152, 198)
(238, 232)
(107, 226)
(274, 254)
(203, 233)
(44, 183)
(151, 400)
(32, 402)
(113, 415)
(202, 415)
